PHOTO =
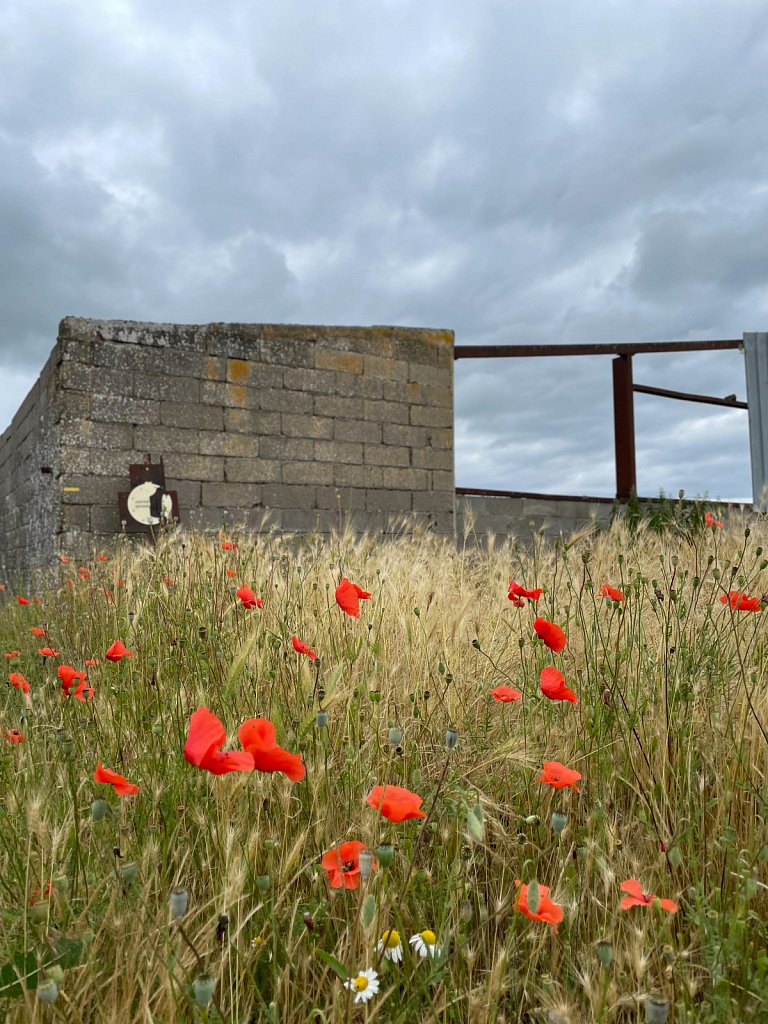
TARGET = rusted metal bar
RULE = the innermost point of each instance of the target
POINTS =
(610, 349)
(624, 428)
(485, 492)
(687, 396)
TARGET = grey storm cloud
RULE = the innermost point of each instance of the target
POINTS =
(518, 172)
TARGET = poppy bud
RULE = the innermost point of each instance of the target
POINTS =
(585, 556)
(417, 612)
(99, 809)
(451, 738)
(656, 1009)
(533, 897)
(321, 720)
(48, 991)
(128, 873)
(384, 854)
(532, 819)
(55, 973)
(558, 821)
(262, 883)
(604, 953)
(179, 901)
(202, 987)
(365, 861)
(61, 884)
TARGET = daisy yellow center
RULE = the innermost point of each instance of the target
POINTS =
(360, 984)
(392, 939)
(429, 937)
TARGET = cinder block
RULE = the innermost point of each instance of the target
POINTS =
(307, 473)
(194, 467)
(231, 496)
(345, 362)
(432, 458)
(75, 517)
(294, 448)
(441, 438)
(72, 405)
(339, 407)
(288, 352)
(235, 396)
(125, 409)
(95, 380)
(349, 385)
(317, 381)
(385, 412)
(357, 430)
(432, 376)
(206, 519)
(317, 427)
(343, 498)
(166, 388)
(161, 440)
(106, 519)
(397, 391)
(216, 442)
(427, 416)
(251, 421)
(251, 470)
(288, 496)
(338, 451)
(95, 461)
(387, 455)
(308, 520)
(237, 341)
(404, 435)
(279, 400)
(181, 414)
(388, 501)
(385, 369)
(405, 479)
(91, 490)
(441, 480)
(188, 491)
(358, 476)
(433, 501)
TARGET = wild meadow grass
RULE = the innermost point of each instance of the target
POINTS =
(202, 897)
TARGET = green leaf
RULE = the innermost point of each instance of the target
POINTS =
(24, 966)
(368, 911)
(338, 968)
(476, 824)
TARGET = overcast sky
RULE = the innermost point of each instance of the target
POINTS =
(515, 170)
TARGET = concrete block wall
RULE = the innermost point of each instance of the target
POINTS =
(504, 516)
(294, 428)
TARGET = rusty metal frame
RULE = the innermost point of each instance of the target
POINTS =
(623, 396)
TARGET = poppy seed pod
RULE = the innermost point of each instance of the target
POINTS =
(99, 810)
(179, 901)
(604, 952)
(263, 883)
(558, 821)
(128, 873)
(365, 860)
(394, 737)
(384, 854)
(202, 988)
(48, 991)
(451, 738)
(656, 1009)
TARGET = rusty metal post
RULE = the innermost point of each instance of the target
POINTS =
(624, 428)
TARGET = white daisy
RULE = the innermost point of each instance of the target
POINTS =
(424, 943)
(365, 985)
(391, 945)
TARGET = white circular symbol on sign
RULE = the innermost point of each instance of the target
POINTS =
(138, 504)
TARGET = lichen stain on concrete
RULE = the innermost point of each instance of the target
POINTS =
(238, 370)
(236, 394)
(213, 368)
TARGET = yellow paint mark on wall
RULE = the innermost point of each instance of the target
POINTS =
(71, 490)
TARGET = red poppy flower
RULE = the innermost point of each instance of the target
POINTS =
(248, 598)
(102, 558)
(608, 591)
(118, 651)
(348, 597)
(343, 865)
(231, 573)
(92, 661)
(552, 635)
(710, 520)
(48, 652)
(259, 738)
(121, 785)
(84, 574)
(19, 681)
(229, 545)
(558, 776)
(13, 654)
(205, 739)
(553, 685)
(505, 694)
(64, 559)
(84, 691)
(303, 648)
(13, 735)
(517, 593)
(68, 675)
(395, 803)
(23, 600)
(741, 602)
(638, 898)
(38, 631)
(548, 911)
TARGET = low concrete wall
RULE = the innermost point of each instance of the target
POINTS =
(501, 516)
